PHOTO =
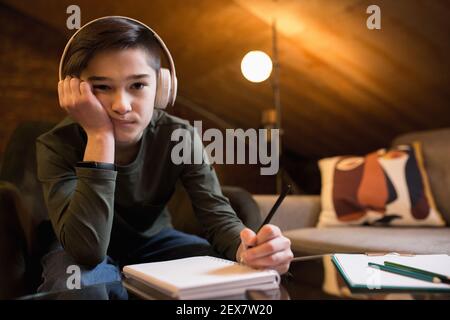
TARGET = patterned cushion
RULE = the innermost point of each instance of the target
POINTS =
(385, 187)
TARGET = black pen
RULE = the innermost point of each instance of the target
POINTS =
(275, 207)
(272, 211)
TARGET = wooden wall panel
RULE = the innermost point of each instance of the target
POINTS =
(28, 72)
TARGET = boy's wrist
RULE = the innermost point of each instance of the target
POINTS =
(100, 136)
(100, 148)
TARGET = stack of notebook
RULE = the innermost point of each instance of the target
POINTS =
(202, 277)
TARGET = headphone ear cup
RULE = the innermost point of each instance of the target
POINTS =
(163, 89)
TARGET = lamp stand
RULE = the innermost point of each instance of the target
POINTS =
(277, 101)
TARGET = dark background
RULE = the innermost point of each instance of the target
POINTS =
(344, 88)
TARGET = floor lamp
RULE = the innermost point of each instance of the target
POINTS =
(257, 66)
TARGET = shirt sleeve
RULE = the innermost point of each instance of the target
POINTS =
(212, 208)
(80, 203)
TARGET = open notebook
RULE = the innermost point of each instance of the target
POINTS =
(201, 277)
(358, 275)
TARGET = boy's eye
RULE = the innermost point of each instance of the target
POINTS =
(101, 87)
(138, 85)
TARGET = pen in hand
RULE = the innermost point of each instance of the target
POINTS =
(271, 214)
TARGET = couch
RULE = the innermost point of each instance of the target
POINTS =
(25, 231)
(298, 215)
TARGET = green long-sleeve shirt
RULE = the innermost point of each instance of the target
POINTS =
(95, 211)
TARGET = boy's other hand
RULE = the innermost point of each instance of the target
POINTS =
(78, 100)
(267, 249)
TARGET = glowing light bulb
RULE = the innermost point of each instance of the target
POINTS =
(256, 66)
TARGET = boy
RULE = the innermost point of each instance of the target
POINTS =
(107, 173)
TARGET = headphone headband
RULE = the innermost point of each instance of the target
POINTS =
(173, 76)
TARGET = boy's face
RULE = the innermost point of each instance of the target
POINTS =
(125, 84)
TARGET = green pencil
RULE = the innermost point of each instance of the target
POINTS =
(443, 278)
(405, 273)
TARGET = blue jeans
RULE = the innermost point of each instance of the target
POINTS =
(166, 245)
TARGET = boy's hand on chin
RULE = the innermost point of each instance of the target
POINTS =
(78, 100)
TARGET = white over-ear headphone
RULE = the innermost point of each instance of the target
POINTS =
(166, 88)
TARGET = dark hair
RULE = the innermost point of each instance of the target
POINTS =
(106, 34)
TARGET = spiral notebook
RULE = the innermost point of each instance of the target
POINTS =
(201, 277)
